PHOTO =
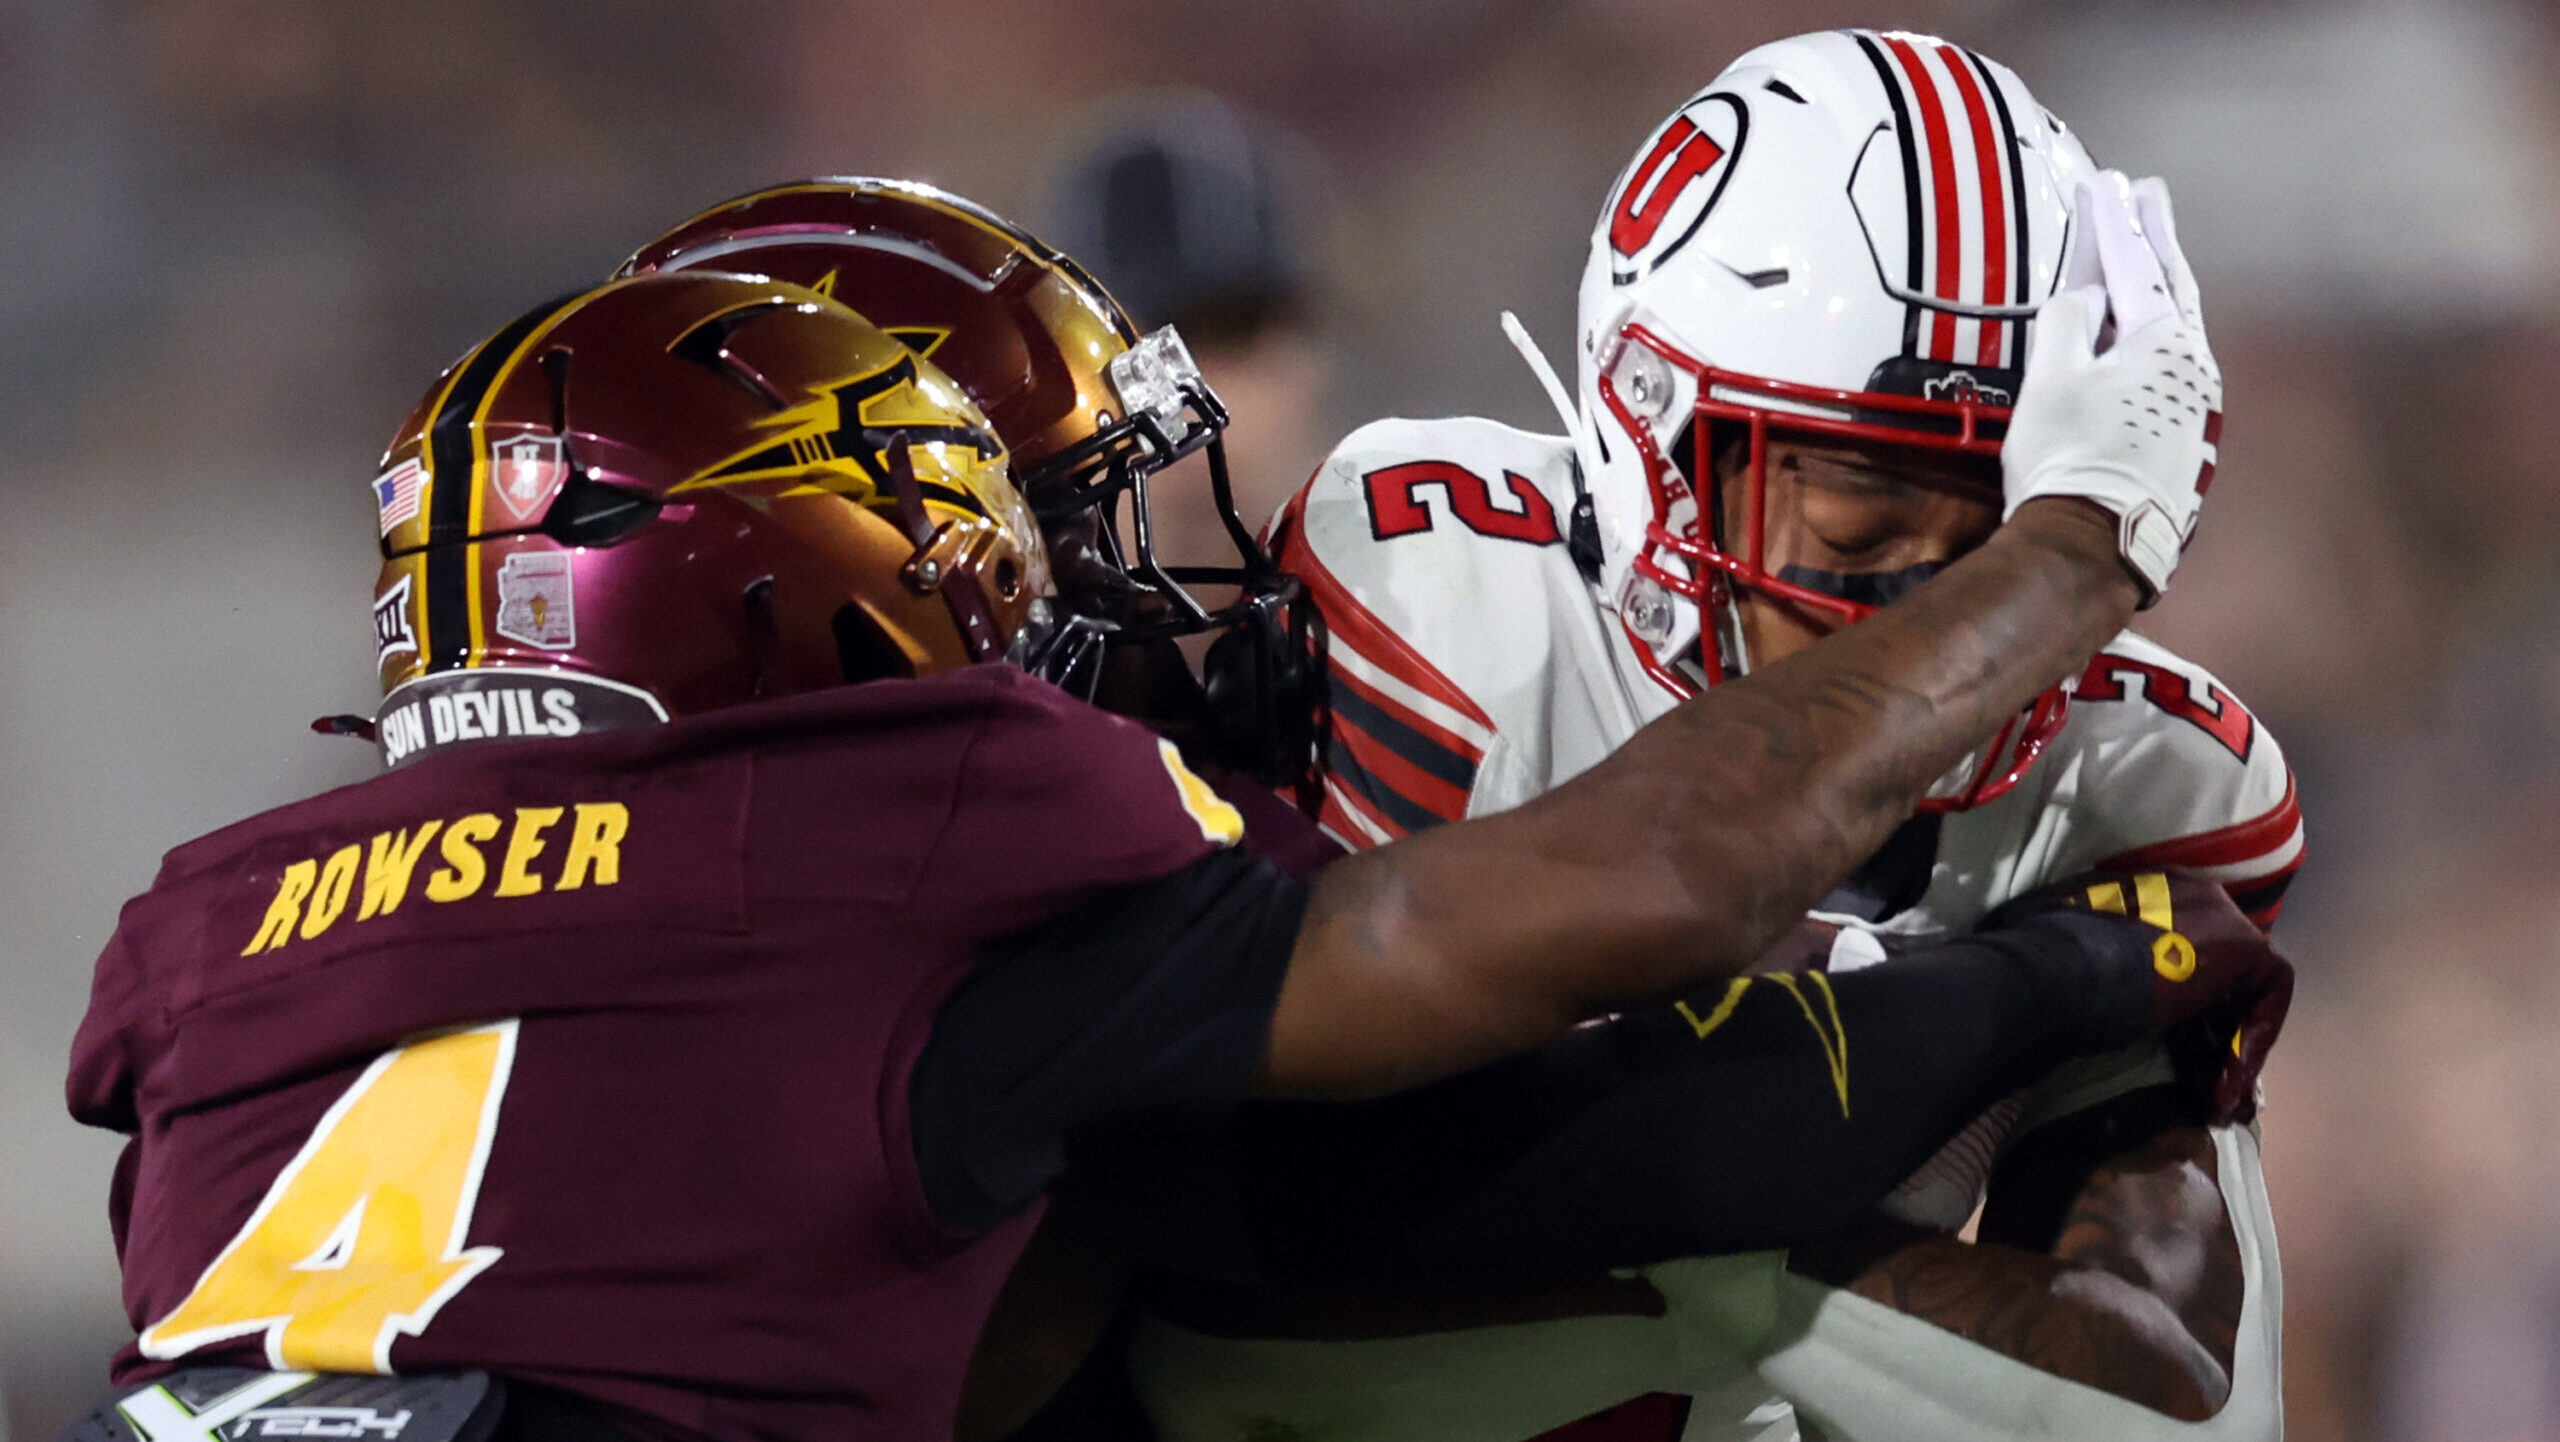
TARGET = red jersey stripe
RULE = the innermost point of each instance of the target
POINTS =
(1353, 818)
(1345, 677)
(1381, 766)
(1354, 625)
(2234, 845)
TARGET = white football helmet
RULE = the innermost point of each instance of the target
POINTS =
(1843, 235)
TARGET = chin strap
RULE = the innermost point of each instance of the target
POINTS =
(940, 554)
(1582, 538)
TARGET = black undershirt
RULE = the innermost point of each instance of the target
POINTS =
(1134, 1025)
(1640, 1139)
(1149, 1004)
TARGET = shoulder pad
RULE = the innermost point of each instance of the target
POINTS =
(2182, 774)
(1436, 552)
(1467, 497)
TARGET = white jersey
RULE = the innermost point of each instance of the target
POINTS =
(1474, 668)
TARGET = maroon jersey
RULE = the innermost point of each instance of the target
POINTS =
(587, 1061)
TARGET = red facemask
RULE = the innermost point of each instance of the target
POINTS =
(1966, 422)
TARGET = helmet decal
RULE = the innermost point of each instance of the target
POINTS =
(525, 473)
(924, 340)
(538, 600)
(456, 455)
(838, 440)
(396, 492)
(392, 633)
(1963, 198)
(1675, 183)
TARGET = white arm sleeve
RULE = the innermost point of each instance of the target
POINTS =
(1862, 1372)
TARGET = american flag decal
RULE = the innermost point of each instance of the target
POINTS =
(396, 493)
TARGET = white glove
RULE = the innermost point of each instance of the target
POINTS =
(2133, 428)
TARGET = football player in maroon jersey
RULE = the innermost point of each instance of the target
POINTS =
(686, 1027)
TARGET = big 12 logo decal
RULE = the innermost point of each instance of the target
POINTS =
(1674, 184)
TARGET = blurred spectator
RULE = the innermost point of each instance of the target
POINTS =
(1197, 216)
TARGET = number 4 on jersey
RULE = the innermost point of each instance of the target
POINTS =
(360, 1239)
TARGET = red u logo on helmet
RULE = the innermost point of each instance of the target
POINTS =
(1674, 184)
(1682, 155)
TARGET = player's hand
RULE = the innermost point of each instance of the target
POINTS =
(2132, 428)
(2219, 990)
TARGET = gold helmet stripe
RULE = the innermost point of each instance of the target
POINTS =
(451, 633)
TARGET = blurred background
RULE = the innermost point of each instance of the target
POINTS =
(241, 235)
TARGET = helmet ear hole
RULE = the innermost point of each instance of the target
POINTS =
(1270, 706)
(865, 651)
(596, 513)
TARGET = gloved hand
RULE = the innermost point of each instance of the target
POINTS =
(2219, 990)
(2133, 428)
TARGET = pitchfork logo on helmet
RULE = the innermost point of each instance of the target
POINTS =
(1842, 237)
(839, 441)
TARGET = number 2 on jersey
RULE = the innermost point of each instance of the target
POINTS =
(360, 1239)
(1396, 508)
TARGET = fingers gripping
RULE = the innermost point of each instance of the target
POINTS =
(2135, 429)
(2065, 335)
(2235, 1092)
(2160, 228)
(2220, 991)
(2137, 290)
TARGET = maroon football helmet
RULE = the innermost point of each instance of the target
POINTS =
(1088, 408)
(677, 493)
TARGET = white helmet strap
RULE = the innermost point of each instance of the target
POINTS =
(1576, 428)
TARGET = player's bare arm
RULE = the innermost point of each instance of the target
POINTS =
(1689, 851)
(2123, 1248)
(2122, 1273)
(1697, 843)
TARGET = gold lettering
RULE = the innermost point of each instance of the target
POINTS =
(282, 912)
(1723, 1011)
(464, 867)
(2151, 900)
(1835, 1042)
(1220, 823)
(386, 870)
(329, 898)
(595, 843)
(523, 846)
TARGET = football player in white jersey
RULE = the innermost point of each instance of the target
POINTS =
(1802, 327)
